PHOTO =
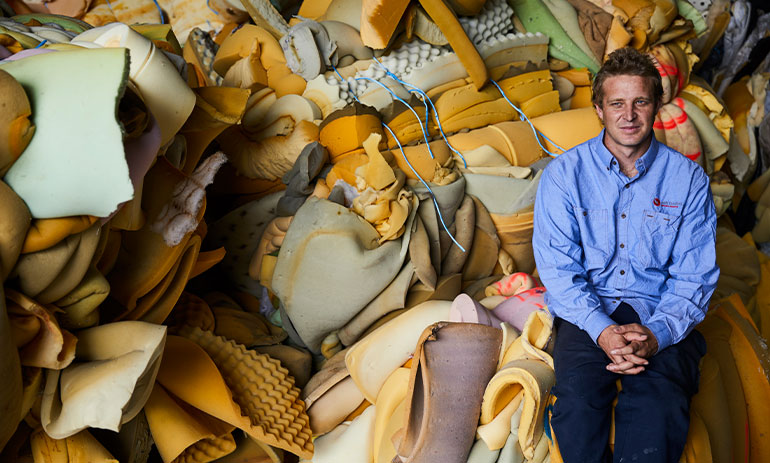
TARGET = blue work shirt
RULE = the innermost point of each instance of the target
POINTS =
(601, 238)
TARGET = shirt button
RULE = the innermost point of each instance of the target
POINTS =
(585, 213)
(613, 162)
(622, 245)
(622, 272)
(628, 185)
(622, 216)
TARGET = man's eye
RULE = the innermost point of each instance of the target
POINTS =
(615, 104)
(642, 102)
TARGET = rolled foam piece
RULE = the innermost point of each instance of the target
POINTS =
(534, 379)
(11, 388)
(375, 357)
(13, 229)
(74, 165)
(116, 369)
(439, 422)
(160, 85)
(47, 345)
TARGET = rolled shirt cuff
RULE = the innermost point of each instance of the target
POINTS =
(662, 334)
(595, 323)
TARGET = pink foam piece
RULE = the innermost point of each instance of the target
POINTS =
(466, 309)
(516, 309)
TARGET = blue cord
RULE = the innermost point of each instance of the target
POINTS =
(41, 43)
(403, 154)
(212, 9)
(432, 195)
(396, 97)
(425, 100)
(526, 119)
(160, 11)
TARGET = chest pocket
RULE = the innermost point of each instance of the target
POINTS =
(657, 238)
(594, 235)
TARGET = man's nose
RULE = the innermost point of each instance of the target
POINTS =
(629, 113)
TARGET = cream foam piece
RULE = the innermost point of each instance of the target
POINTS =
(390, 398)
(280, 118)
(502, 195)
(75, 164)
(324, 235)
(533, 340)
(534, 380)
(510, 335)
(350, 441)
(162, 88)
(116, 369)
(496, 432)
(375, 357)
(494, 19)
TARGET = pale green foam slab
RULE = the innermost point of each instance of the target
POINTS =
(75, 163)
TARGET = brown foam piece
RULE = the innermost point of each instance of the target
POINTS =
(247, 328)
(515, 233)
(216, 108)
(299, 362)
(446, 385)
(81, 305)
(13, 228)
(144, 260)
(191, 310)
(40, 340)
(482, 255)
(155, 306)
(11, 387)
(263, 389)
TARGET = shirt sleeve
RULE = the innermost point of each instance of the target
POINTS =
(559, 258)
(693, 272)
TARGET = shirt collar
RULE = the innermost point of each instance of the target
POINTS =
(642, 164)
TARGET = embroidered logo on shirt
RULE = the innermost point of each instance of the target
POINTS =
(673, 205)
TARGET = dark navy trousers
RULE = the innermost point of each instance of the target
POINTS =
(652, 415)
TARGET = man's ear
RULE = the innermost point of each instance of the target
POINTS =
(600, 113)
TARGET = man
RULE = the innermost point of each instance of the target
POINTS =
(624, 240)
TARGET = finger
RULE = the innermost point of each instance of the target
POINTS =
(637, 360)
(631, 371)
(626, 350)
(634, 336)
(628, 328)
(622, 366)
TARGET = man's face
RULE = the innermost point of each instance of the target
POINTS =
(628, 111)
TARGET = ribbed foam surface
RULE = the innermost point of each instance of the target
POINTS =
(207, 450)
(263, 389)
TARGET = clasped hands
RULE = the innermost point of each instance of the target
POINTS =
(628, 347)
